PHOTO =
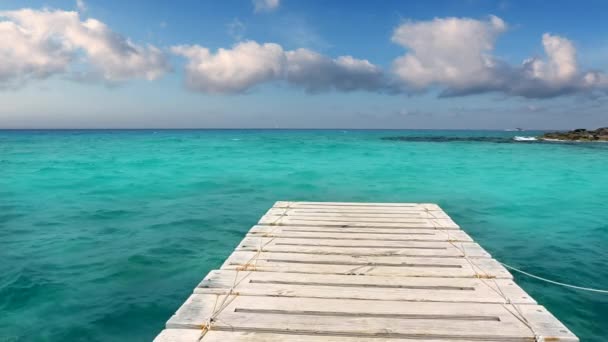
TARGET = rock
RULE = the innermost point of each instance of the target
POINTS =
(579, 134)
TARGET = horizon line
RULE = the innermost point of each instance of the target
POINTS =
(278, 129)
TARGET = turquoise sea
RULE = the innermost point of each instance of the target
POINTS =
(103, 234)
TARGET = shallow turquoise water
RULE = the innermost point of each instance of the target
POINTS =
(103, 234)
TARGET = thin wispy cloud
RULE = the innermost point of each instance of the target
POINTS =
(296, 31)
(81, 6)
(236, 29)
(260, 6)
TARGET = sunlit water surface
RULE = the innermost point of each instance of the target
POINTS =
(103, 234)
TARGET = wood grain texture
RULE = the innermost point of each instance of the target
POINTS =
(358, 213)
(421, 233)
(376, 222)
(362, 272)
(366, 318)
(347, 205)
(417, 289)
(190, 335)
(362, 247)
(390, 265)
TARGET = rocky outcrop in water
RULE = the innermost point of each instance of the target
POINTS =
(581, 134)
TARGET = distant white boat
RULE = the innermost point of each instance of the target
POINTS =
(520, 138)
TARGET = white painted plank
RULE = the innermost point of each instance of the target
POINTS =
(287, 204)
(372, 222)
(453, 234)
(223, 336)
(365, 265)
(368, 318)
(358, 214)
(195, 335)
(361, 233)
(337, 217)
(545, 324)
(362, 247)
(361, 210)
(336, 271)
(471, 290)
(179, 335)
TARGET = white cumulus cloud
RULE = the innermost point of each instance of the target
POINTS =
(265, 5)
(561, 65)
(40, 43)
(451, 51)
(232, 70)
(557, 74)
(456, 55)
(249, 63)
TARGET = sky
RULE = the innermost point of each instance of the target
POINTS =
(452, 64)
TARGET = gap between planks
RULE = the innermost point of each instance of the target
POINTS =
(335, 271)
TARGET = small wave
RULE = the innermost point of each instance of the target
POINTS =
(520, 138)
(573, 141)
(498, 140)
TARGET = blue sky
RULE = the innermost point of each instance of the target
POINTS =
(303, 64)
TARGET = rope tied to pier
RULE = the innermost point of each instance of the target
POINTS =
(231, 295)
(474, 266)
(483, 276)
(279, 217)
(507, 301)
(353, 271)
(553, 281)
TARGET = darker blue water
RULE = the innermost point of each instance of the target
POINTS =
(103, 234)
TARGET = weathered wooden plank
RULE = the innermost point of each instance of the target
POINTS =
(423, 217)
(362, 247)
(181, 335)
(361, 233)
(333, 271)
(358, 213)
(195, 335)
(405, 206)
(392, 265)
(254, 240)
(365, 318)
(371, 222)
(362, 210)
(421, 289)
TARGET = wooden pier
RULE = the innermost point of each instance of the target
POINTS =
(326, 271)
